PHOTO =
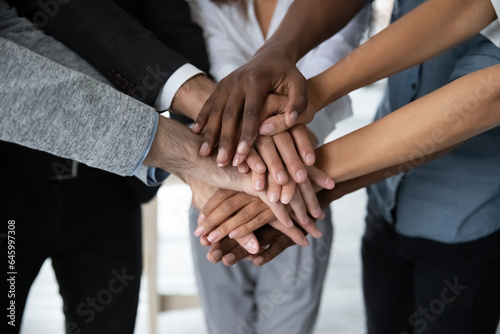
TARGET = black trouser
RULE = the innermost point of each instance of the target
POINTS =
(90, 227)
(414, 285)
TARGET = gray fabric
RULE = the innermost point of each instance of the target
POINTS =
(281, 297)
(50, 107)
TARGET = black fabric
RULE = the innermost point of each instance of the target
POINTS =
(414, 285)
(91, 229)
(112, 37)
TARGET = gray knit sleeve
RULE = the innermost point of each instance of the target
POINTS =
(49, 107)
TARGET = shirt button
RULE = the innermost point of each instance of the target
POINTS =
(413, 86)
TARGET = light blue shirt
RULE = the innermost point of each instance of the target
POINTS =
(455, 198)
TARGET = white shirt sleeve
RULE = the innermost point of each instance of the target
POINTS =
(492, 32)
(176, 80)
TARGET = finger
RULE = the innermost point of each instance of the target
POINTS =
(278, 209)
(267, 150)
(255, 162)
(260, 220)
(310, 199)
(202, 118)
(242, 217)
(293, 233)
(250, 243)
(310, 228)
(237, 254)
(276, 247)
(259, 181)
(297, 97)
(214, 202)
(277, 124)
(273, 190)
(254, 101)
(219, 249)
(288, 152)
(225, 210)
(299, 209)
(287, 191)
(243, 168)
(320, 178)
(229, 127)
(303, 144)
(212, 125)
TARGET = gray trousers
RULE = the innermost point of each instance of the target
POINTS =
(281, 297)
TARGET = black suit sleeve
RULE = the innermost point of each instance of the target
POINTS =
(112, 40)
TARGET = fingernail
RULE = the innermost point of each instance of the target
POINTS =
(301, 175)
(258, 260)
(289, 223)
(229, 258)
(221, 156)
(196, 127)
(286, 199)
(260, 167)
(216, 255)
(213, 236)
(259, 185)
(318, 213)
(199, 231)
(241, 147)
(236, 160)
(317, 234)
(266, 129)
(234, 234)
(274, 197)
(282, 177)
(306, 242)
(251, 247)
(330, 184)
(293, 117)
(204, 148)
(310, 159)
(201, 218)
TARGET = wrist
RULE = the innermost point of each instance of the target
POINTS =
(191, 96)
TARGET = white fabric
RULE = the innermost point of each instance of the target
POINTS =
(176, 80)
(233, 35)
(492, 32)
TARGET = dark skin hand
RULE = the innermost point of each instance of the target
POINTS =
(239, 98)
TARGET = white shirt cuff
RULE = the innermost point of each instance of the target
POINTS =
(176, 80)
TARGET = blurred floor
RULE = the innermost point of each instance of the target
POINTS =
(341, 308)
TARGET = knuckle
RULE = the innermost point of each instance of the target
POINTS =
(225, 138)
(228, 205)
(222, 229)
(250, 112)
(244, 214)
(228, 113)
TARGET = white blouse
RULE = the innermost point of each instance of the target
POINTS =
(233, 34)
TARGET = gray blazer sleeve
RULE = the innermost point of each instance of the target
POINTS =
(49, 107)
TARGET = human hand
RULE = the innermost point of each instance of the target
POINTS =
(241, 95)
(272, 241)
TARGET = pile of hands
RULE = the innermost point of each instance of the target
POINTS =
(264, 137)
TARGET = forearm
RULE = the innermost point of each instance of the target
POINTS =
(431, 28)
(436, 121)
(310, 22)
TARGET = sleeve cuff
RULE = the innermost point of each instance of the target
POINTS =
(151, 138)
(176, 80)
(156, 176)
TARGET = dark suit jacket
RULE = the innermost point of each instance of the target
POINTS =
(136, 44)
